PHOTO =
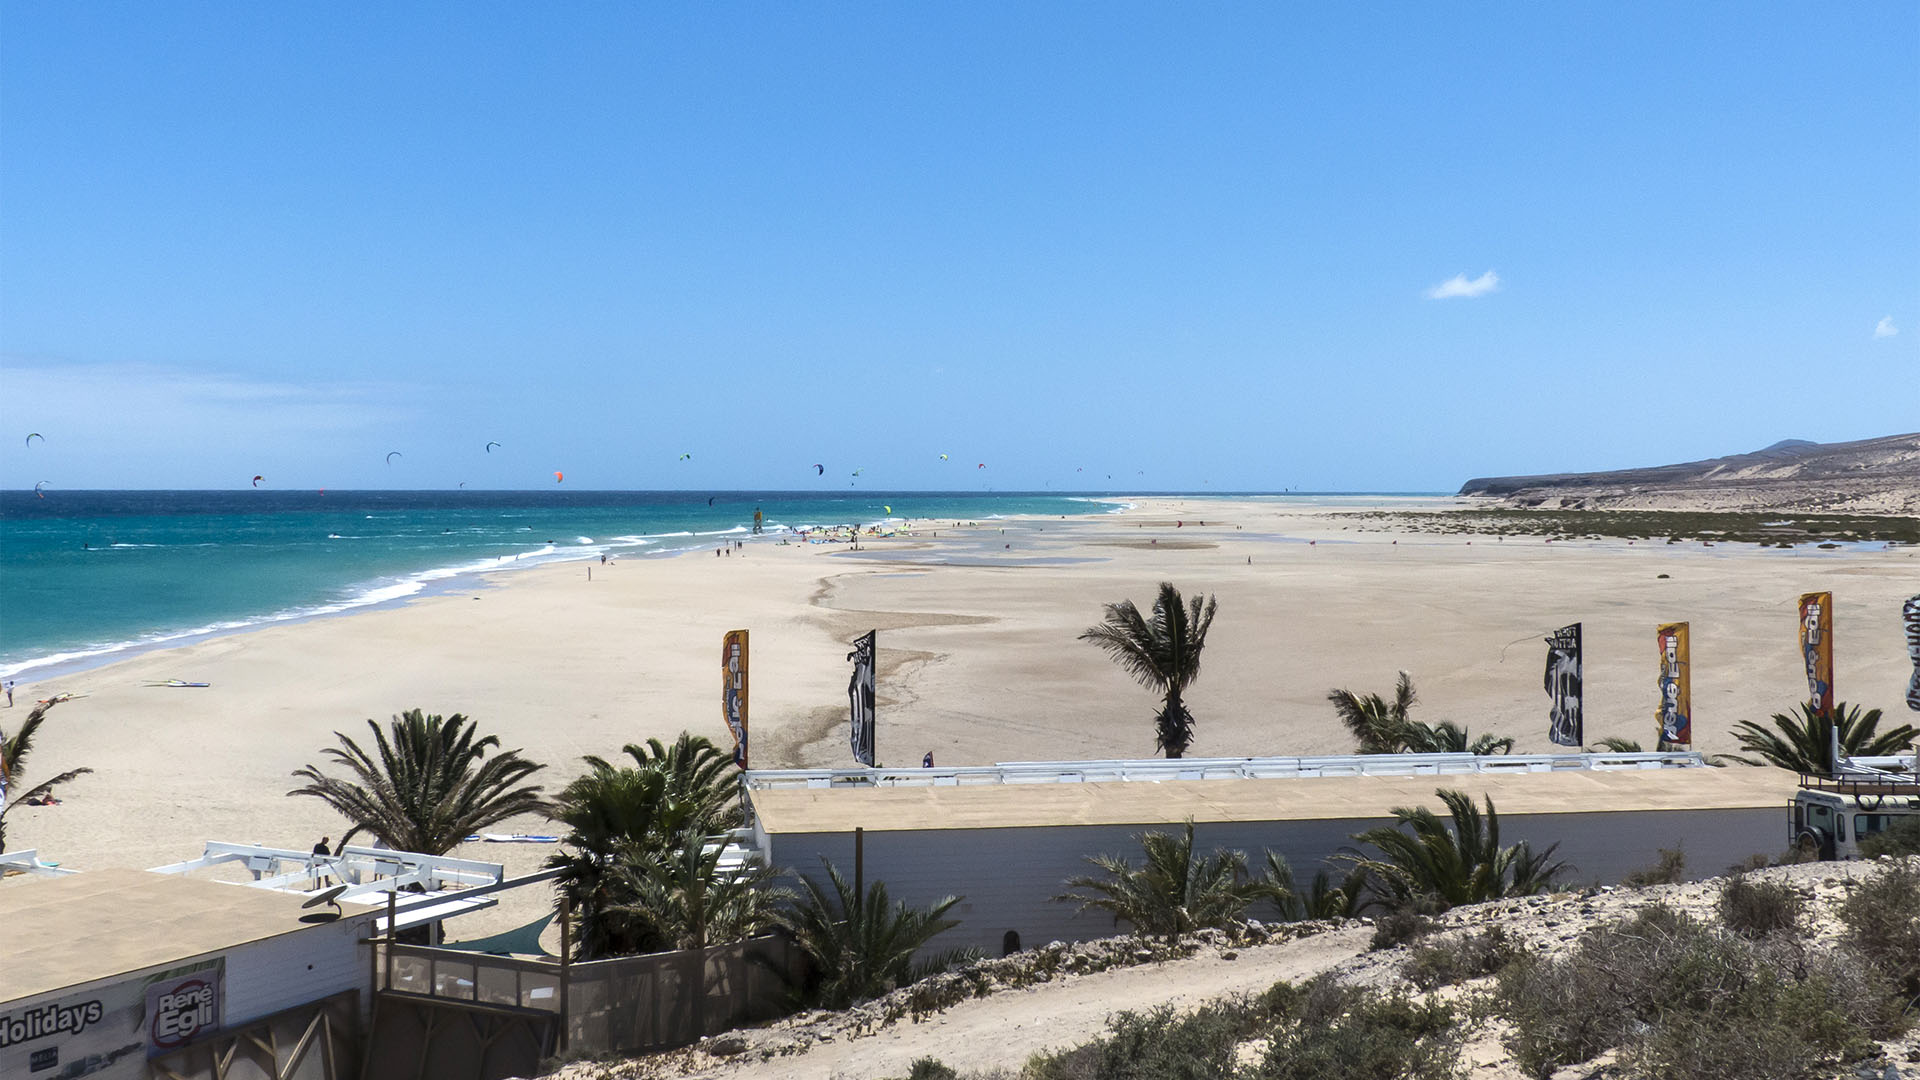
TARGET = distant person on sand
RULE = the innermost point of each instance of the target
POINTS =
(927, 762)
(320, 851)
(9, 693)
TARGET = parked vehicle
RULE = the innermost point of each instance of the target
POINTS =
(1830, 815)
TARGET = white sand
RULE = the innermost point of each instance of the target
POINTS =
(979, 662)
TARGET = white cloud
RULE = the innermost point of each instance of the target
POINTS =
(1885, 328)
(1459, 286)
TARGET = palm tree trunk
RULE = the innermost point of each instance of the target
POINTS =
(1174, 706)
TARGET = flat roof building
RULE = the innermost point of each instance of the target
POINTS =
(101, 972)
(1006, 839)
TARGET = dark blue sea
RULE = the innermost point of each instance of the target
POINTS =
(87, 577)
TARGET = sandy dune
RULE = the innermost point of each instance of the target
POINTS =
(977, 631)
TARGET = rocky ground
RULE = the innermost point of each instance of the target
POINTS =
(993, 1016)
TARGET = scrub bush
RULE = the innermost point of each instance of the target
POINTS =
(1350, 1033)
(1670, 870)
(1680, 998)
(1900, 838)
(1456, 959)
(1755, 909)
(1159, 1044)
(1882, 923)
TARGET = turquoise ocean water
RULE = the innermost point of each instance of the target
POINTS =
(88, 577)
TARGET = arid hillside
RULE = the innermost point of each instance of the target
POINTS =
(1869, 476)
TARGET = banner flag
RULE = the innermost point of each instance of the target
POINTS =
(1816, 647)
(1676, 686)
(733, 691)
(860, 698)
(1563, 685)
(1911, 613)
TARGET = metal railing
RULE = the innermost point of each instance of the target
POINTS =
(1248, 768)
(368, 872)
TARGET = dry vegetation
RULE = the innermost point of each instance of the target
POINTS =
(1788, 971)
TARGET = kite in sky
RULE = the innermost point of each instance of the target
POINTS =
(257, 479)
(558, 476)
(820, 470)
(391, 456)
(38, 486)
(686, 457)
(490, 446)
(32, 435)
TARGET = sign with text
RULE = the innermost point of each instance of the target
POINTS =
(110, 1031)
(1676, 686)
(1816, 648)
(733, 691)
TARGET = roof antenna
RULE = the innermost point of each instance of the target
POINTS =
(331, 898)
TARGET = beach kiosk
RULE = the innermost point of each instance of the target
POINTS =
(129, 975)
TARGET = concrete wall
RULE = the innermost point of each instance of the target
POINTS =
(1008, 876)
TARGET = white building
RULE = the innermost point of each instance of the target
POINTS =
(104, 971)
(1007, 838)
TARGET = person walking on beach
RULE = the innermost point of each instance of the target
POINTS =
(319, 869)
(9, 693)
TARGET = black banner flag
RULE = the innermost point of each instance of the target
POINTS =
(860, 698)
(1563, 685)
(1910, 611)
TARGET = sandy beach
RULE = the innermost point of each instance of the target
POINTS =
(979, 657)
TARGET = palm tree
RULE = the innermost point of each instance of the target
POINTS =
(612, 817)
(632, 816)
(1614, 744)
(863, 947)
(689, 902)
(1383, 727)
(1446, 737)
(1803, 739)
(1162, 653)
(701, 783)
(1322, 900)
(13, 763)
(1173, 893)
(685, 900)
(1436, 867)
(428, 785)
(1378, 727)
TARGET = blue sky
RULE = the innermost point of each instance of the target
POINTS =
(1191, 246)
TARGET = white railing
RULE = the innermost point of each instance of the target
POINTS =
(1249, 768)
(368, 870)
(28, 862)
(1891, 769)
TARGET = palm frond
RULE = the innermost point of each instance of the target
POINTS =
(1161, 653)
(1173, 892)
(1426, 864)
(428, 784)
(863, 946)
